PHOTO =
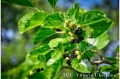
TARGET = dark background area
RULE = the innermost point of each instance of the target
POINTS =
(15, 46)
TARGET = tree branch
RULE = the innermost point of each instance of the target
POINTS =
(99, 61)
(35, 6)
(88, 58)
(101, 57)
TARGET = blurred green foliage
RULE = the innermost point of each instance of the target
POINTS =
(14, 50)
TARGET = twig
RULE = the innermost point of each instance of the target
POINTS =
(78, 77)
(97, 62)
(88, 58)
(101, 57)
(101, 61)
(35, 6)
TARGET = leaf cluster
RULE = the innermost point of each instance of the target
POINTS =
(48, 54)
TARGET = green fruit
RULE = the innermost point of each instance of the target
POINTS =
(79, 57)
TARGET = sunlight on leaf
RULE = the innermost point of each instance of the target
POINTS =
(84, 66)
(31, 20)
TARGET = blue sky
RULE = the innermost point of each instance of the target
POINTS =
(86, 4)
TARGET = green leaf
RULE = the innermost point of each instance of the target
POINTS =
(73, 13)
(29, 64)
(50, 62)
(52, 70)
(114, 61)
(111, 59)
(33, 59)
(48, 55)
(36, 76)
(99, 42)
(96, 33)
(94, 43)
(42, 60)
(116, 64)
(56, 41)
(116, 76)
(83, 33)
(103, 25)
(75, 75)
(49, 72)
(31, 20)
(58, 78)
(19, 2)
(91, 17)
(85, 46)
(81, 11)
(108, 69)
(56, 55)
(70, 47)
(89, 53)
(55, 20)
(117, 49)
(38, 60)
(61, 47)
(42, 34)
(53, 3)
(42, 49)
(84, 66)
(100, 27)
(23, 70)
